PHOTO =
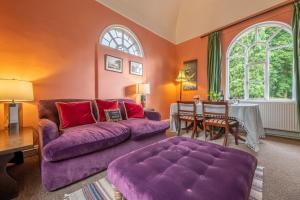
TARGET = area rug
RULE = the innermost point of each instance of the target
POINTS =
(102, 189)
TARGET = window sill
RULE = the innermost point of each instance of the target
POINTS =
(269, 101)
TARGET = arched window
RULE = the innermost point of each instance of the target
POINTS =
(121, 38)
(260, 63)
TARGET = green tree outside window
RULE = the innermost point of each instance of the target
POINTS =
(260, 63)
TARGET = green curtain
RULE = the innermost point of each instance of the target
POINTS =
(296, 39)
(214, 59)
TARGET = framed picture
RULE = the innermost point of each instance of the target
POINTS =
(135, 68)
(190, 71)
(113, 64)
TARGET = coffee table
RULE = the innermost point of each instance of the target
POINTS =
(10, 143)
(183, 169)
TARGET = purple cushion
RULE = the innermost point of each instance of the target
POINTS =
(141, 128)
(79, 140)
(182, 168)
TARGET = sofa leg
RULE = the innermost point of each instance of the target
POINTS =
(118, 195)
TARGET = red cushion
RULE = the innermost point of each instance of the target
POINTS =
(134, 110)
(75, 113)
(105, 105)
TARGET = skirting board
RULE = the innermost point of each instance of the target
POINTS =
(284, 134)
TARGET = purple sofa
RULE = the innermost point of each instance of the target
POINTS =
(85, 150)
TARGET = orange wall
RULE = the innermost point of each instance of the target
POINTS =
(197, 48)
(54, 43)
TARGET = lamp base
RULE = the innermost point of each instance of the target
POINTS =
(13, 116)
(143, 100)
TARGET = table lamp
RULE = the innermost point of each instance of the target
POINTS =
(143, 89)
(11, 92)
(181, 78)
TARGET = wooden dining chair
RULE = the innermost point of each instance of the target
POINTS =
(187, 112)
(215, 114)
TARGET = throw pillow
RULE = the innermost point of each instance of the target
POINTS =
(75, 113)
(113, 115)
(134, 110)
(104, 105)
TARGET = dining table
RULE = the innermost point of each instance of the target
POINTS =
(247, 114)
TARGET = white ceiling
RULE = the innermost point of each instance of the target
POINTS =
(181, 20)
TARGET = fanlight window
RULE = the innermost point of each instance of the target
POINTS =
(122, 39)
(260, 63)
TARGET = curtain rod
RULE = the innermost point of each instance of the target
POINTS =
(277, 6)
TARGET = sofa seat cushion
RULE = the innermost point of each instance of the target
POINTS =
(85, 139)
(141, 128)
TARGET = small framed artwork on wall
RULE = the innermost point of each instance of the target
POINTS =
(136, 68)
(113, 64)
(190, 71)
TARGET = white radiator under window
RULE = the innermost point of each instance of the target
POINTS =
(279, 115)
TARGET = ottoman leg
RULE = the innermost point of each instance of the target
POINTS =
(118, 195)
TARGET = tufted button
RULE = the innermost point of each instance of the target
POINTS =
(189, 190)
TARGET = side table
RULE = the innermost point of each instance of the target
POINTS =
(10, 143)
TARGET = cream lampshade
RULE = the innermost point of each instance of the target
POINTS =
(143, 89)
(15, 90)
(181, 78)
(12, 91)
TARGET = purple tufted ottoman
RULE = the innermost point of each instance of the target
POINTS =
(180, 168)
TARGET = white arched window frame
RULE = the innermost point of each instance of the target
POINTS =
(121, 38)
(280, 25)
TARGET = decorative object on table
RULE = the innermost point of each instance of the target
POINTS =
(105, 188)
(196, 99)
(113, 115)
(188, 115)
(219, 119)
(181, 78)
(113, 64)
(143, 89)
(12, 92)
(190, 71)
(136, 68)
(214, 96)
(10, 144)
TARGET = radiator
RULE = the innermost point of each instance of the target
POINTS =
(279, 115)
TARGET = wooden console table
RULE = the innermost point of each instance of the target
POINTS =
(10, 143)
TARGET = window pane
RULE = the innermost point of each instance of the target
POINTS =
(105, 42)
(282, 38)
(237, 50)
(257, 53)
(281, 73)
(248, 38)
(266, 33)
(256, 81)
(236, 78)
(121, 39)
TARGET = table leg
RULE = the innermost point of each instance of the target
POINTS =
(8, 186)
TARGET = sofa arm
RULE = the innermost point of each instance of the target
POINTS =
(48, 131)
(152, 115)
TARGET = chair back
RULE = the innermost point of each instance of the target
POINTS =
(186, 108)
(215, 109)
